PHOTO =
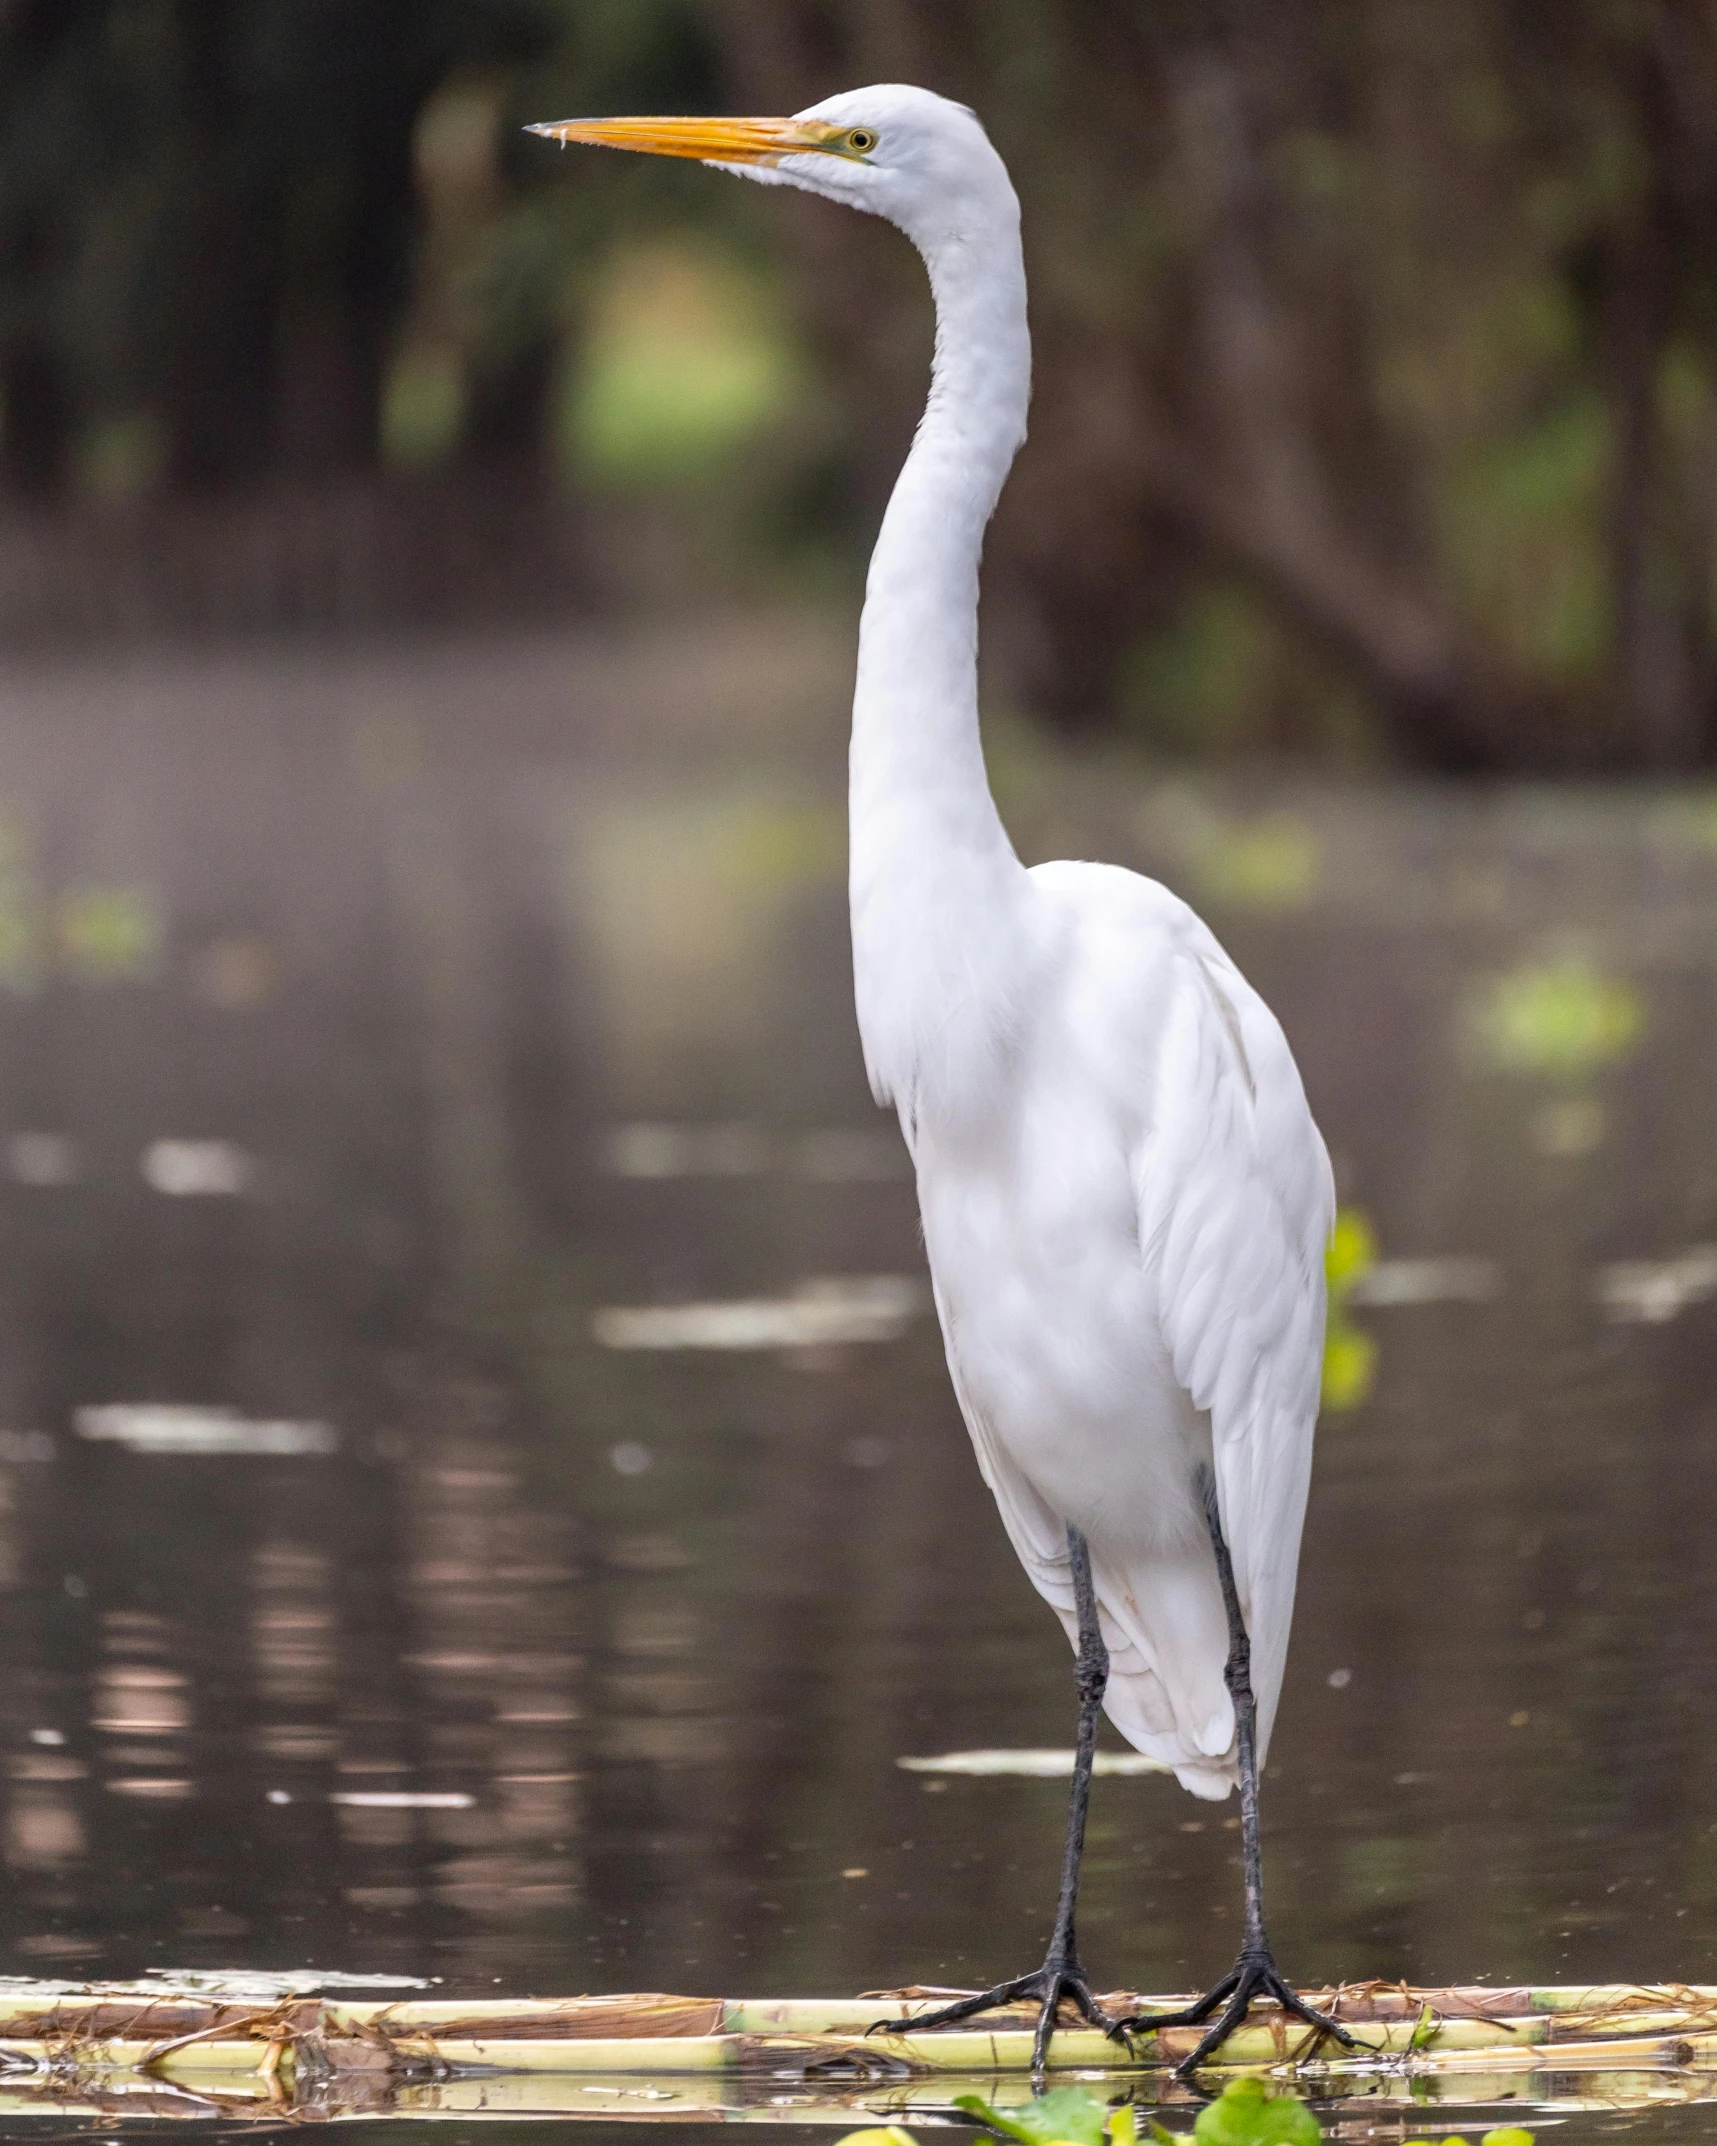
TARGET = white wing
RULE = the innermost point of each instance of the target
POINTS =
(1236, 1203)
(1223, 1214)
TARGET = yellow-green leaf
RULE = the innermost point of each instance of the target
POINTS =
(1244, 2115)
(1352, 1249)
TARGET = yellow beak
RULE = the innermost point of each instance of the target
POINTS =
(721, 141)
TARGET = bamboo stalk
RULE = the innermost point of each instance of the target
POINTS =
(683, 2053)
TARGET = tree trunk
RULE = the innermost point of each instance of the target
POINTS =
(35, 449)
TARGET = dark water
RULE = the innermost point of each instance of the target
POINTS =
(479, 990)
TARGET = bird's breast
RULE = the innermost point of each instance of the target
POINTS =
(1050, 1318)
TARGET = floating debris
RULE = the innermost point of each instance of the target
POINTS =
(819, 1314)
(1032, 1765)
(197, 1169)
(1651, 1292)
(270, 2046)
(247, 1983)
(181, 1428)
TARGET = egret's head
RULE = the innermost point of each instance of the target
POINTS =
(904, 153)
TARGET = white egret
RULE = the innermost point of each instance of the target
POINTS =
(1125, 1200)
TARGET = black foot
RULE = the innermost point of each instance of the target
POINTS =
(1253, 1975)
(1052, 1982)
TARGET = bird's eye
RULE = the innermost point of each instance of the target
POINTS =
(861, 140)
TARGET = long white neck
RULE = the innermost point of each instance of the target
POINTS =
(936, 889)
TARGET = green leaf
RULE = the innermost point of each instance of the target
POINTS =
(1350, 1363)
(1243, 2115)
(1069, 2113)
(1352, 1249)
(989, 2116)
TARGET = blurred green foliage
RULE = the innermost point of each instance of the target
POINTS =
(1562, 1018)
(242, 238)
(683, 366)
(1352, 1250)
(1377, 394)
(108, 934)
(1350, 1353)
(92, 934)
(1272, 862)
(1208, 674)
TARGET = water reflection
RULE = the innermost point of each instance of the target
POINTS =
(833, 1155)
(474, 1543)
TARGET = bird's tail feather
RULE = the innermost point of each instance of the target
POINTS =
(1162, 1619)
(1167, 1636)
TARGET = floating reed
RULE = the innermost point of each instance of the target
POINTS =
(165, 2050)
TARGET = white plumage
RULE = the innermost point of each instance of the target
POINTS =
(1125, 1199)
(1128, 1267)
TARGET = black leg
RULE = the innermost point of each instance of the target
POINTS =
(1061, 1974)
(1254, 1973)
